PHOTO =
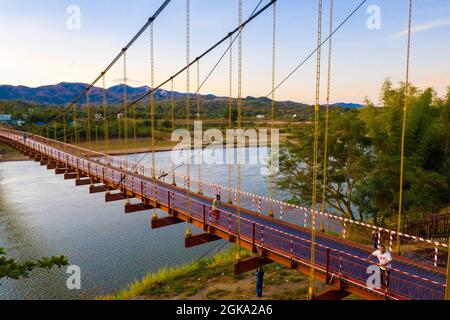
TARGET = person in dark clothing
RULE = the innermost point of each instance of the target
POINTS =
(215, 211)
(375, 239)
(259, 281)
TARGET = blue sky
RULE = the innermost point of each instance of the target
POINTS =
(39, 49)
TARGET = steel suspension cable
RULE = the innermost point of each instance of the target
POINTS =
(315, 160)
(172, 107)
(134, 129)
(272, 114)
(75, 124)
(152, 103)
(327, 111)
(188, 232)
(230, 110)
(55, 133)
(96, 128)
(205, 53)
(116, 59)
(238, 30)
(88, 119)
(119, 126)
(200, 188)
(125, 108)
(239, 107)
(105, 117)
(64, 128)
(405, 115)
(286, 78)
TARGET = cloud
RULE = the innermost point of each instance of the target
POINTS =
(426, 26)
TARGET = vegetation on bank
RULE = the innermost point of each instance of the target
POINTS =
(212, 278)
(7, 153)
(363, 166)
(10, 268)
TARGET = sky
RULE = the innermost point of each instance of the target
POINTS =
(38, 47)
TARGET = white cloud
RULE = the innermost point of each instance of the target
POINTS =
(426, 26)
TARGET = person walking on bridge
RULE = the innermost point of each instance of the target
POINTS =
(215, 207)
(375, 239)
(384, 263)
(259, 282)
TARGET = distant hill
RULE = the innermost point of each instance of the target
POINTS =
(347, 105)
(64, 93)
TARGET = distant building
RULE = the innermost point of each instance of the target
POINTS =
(19, 122)
(261, 117)
(5, 118)
(98, 116)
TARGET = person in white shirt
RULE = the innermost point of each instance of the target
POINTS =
(384, 262)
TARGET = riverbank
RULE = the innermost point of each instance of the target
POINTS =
(9, 154)
(213, 279)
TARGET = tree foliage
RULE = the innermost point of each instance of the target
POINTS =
(10, 268)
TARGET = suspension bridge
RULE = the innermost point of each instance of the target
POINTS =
(256, 223)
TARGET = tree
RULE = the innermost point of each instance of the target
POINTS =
(426, 181)
(348, 157)
(9, 268)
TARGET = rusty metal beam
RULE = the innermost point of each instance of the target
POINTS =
(70, 175)
(165, 222)
(51, 166)
(131, 208)
(61, 170)
(98, 189)
(250, 264)
(83, 182)
(110, 197)
(199, 239)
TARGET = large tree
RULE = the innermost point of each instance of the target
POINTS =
(348, 158)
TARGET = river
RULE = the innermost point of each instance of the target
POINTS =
(43, 215)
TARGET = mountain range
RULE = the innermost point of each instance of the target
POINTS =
(65, 92)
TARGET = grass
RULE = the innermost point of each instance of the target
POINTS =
(187, 279)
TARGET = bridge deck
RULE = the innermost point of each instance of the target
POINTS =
(280, 241)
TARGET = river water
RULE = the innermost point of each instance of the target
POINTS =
(43, 215)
